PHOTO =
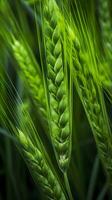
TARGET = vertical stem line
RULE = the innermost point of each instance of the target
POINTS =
(68, 186)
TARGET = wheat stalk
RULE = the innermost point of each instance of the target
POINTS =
(57, 89)
(42, 172)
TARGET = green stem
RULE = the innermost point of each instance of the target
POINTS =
(68, 186)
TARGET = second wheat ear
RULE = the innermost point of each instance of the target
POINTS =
(57, 89)
(92, 99)
(105, 24)
(32, 74)
(42, 172)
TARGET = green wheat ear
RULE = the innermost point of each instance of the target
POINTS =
(32, 74)
(105, 24)
(105, 75)
(40, 169)
(57, 89)
(92, 99)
